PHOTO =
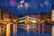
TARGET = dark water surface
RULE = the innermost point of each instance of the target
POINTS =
(24, 33)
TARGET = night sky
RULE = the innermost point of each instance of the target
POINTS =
(22, 7)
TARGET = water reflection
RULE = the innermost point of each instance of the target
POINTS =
(0, 30)
(8, 30)
(14, 30)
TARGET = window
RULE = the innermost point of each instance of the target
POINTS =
(2, 14)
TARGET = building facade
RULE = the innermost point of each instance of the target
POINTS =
(5, 15)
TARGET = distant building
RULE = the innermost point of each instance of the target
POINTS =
(5, 15)
(53, 13)
(53, 20)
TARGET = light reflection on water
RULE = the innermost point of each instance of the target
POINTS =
(15, 31)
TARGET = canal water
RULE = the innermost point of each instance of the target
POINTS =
(13, 30)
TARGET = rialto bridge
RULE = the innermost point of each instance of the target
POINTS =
(27, 22)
